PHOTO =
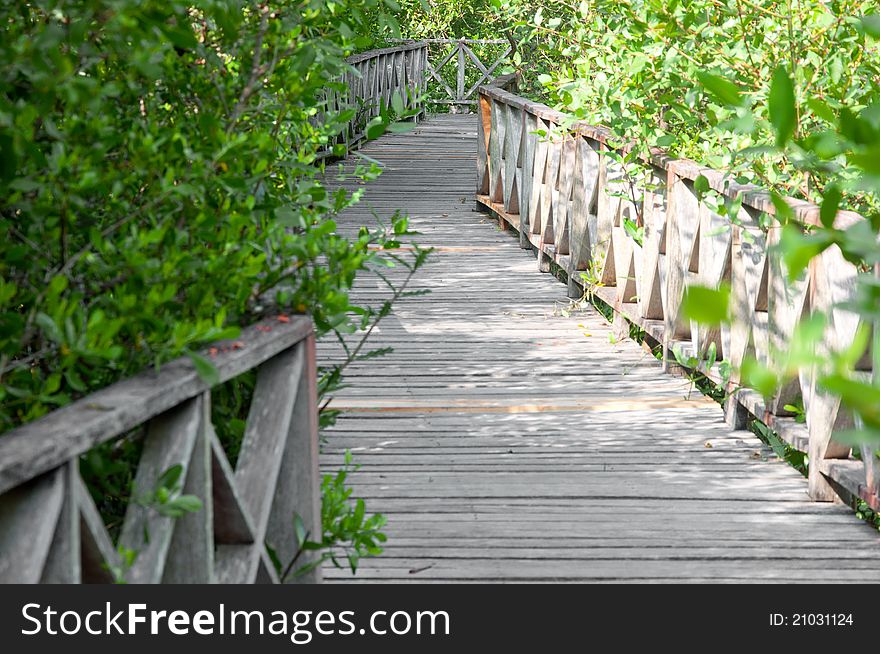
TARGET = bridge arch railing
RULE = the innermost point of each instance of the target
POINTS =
(370, 85)
(554, 181)
(51, 530)
(474, 61)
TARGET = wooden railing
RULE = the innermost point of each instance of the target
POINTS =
(376, 76)
(552, 179)
(470, 70)
(51, 530)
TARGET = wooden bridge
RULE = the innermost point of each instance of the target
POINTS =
(506, 438)
(511, 434)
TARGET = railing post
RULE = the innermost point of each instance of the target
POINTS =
(300, 482)
(459, 89)
(871, 462)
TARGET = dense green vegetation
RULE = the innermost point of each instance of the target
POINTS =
(159, 189)
(695, 77)
(158, 184)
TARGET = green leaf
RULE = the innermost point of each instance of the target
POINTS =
(360, 509)
(798, 249)
(186, 504)
(803, 347)
(273, 556)
(871, 25)
(635, 233)
(170, 477)
(711, 355)
(861, 397)
(206, 370)
(397, 103)
(784, 212)
(707, 306)
(299, 529)
(375, 128)
(822, 110)
(830, 204)
(756, 375)
(721, 89)
(50, 328)
(781, 104)
(401, 127)
(701, 186)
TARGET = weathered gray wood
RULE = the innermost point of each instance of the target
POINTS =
(459, 89)
(170, 441)
(585, 190)
(28, 518)
(269, 424)
(297, 490)
(64, 559)
(191, 552)
(49, 442)
(377, 76)
(462, 53)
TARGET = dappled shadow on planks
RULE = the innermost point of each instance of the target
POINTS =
(507, 439)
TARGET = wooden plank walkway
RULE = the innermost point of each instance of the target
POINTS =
(507, 441)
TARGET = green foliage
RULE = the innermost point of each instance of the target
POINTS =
(839, 151)
(159, 184)
(698, 369)
(781, 106)
(866, 513)
(449, 19)
(709, 306)
(160, 187)
(713, 80)
(166, 499)
(349, 534)
(795, 458)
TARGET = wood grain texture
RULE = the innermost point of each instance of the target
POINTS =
(508, 441)
(65, 433)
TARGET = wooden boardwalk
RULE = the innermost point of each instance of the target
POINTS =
(507, 439)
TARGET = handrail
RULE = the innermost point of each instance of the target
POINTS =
(557, 191)
(374, 78)
(51, 530)
(465, 58)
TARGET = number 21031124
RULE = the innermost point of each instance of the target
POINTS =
(811, 620)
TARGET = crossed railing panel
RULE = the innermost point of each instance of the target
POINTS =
(470, 70)
(52, 531)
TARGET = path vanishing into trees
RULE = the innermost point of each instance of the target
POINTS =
(507, 438)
